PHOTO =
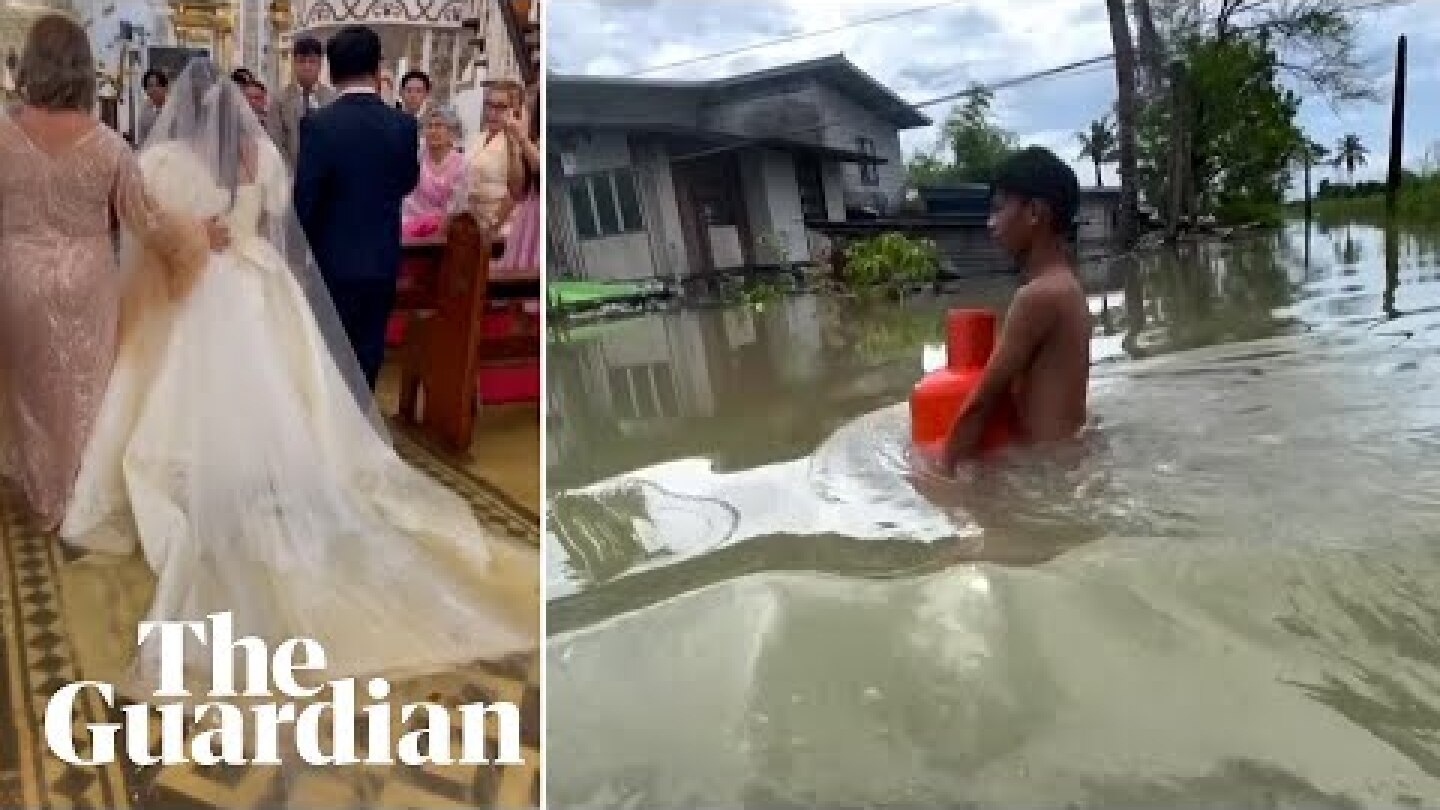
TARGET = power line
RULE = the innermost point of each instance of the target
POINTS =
(1095, 60)
(1016, 80)
(996, 85)
(1013, 81)
(791, 38)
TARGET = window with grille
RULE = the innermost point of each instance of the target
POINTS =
(606, 204)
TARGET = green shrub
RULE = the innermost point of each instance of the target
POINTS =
(891, 259)
(1238, 212)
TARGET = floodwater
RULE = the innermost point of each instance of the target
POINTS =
(1229, 597)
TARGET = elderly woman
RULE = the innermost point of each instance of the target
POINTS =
(440, 191)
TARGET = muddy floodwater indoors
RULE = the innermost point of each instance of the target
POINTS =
(1230, 598)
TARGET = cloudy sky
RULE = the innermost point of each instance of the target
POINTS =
(931, 53)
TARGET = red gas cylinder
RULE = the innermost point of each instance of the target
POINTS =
(939, 396)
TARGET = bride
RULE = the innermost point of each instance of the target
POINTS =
(238, 448)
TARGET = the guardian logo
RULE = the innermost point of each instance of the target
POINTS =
(270, 710)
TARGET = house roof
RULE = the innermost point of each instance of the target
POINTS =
(706, 141)
(836, 70)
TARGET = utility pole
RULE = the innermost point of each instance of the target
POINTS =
(1309, 157)
(1397, 130)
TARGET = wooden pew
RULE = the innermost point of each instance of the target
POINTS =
(445, 347)
(438, 362)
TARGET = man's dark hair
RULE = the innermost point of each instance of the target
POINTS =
(413, 75)
(307, 46)
(157, 76)
(257, 84)
(1036, 173)
(353, 53)
(242, 76)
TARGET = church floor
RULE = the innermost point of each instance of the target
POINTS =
(53, 622)
(505, 451)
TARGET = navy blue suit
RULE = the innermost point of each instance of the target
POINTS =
(358, 160)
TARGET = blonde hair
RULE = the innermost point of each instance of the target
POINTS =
(513, 89)
(57, 68)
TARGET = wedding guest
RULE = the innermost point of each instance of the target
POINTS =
(258, 99)
(415, 92)
(387, 88)
(522, 241)
(60, 288)
(495, 159)
(156, 85)
(439, 193)
(442, 174)
(301, 97)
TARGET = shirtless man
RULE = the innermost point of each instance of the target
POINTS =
(1041, 365)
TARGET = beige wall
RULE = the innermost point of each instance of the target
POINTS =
(626, 256)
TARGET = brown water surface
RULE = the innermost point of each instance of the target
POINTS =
(1230, 598)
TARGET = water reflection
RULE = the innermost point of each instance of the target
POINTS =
(742, 386)
(1204, 294)
(1248, 530)
(748, 399)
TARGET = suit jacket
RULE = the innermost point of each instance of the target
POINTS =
(283, 119)
(357, 163)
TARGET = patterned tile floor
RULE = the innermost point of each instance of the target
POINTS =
(38, 655)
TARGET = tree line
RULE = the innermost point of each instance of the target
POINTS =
(1205, 120)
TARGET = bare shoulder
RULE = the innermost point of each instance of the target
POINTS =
(1048, 291)
(1056, 284)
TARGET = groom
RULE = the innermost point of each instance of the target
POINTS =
(357, 162)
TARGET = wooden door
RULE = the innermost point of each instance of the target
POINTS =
(709, 196)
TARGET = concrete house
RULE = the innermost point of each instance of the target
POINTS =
(1098, 215)
(669, 179)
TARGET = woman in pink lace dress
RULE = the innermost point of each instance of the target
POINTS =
(62, 174)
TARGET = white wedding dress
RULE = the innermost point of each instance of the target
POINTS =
(230, 450)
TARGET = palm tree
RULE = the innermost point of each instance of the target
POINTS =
(1350, 153)
(1127, 108)
(1098, 144)
(1309, 154)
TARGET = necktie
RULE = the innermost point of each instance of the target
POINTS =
(305, 104)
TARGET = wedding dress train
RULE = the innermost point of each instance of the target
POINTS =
(232, 452)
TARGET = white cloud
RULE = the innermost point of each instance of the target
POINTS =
(926, 55)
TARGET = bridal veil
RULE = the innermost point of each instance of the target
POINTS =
(240, 449)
